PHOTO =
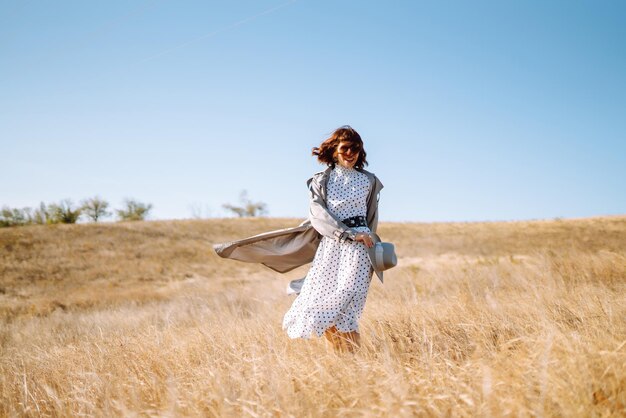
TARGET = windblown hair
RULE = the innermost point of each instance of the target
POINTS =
(327, 151)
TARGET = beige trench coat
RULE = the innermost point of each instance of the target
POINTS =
(285, 249)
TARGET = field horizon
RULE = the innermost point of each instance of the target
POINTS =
(495, 318)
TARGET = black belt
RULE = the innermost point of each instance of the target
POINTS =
(355, 221)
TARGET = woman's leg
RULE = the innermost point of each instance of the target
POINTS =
(355, 339)
(331, 336)
(351, 340)
(343, 341)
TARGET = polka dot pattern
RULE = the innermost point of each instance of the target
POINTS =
(336, 286)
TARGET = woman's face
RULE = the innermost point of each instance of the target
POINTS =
(346, 157)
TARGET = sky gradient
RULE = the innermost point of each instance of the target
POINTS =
(469, 111)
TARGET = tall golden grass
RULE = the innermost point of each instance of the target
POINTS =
(477, 319)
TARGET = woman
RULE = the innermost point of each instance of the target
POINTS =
(343, 213)
(333, 295)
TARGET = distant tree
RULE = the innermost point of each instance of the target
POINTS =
(95, 208)
(198, 211)
(43, 215)
(64, 212)
(12, 217)
(247, 208)
(28, 215)
(134, 211)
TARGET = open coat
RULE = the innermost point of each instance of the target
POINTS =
(285, 249)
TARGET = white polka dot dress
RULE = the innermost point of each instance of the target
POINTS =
(337, 283)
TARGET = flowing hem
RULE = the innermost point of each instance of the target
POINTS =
(309, 331)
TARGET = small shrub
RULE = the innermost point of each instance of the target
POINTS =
(43, 215)
(64, 212)
(134, 211)
(247, 208)
(12, 217)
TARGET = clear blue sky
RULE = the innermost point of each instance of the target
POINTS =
(481, 110)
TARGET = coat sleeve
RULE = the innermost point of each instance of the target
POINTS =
(372, 215)
(322, 220)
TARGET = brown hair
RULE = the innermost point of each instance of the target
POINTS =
(327, 151)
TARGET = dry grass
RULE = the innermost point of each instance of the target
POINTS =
(478, 319)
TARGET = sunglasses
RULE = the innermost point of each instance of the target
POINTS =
(354, 148)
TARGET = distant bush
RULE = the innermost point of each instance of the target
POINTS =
(95, 208)
(200, 211)
(27, 216)
(134, 211)
(43, 215)
(247, 208)
(12, 217)
(65, 212)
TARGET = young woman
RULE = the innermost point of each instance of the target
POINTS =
(343, 215)
(333, 295)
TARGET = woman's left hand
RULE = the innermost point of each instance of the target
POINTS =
(365, 238)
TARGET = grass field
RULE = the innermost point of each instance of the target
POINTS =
(477, 319)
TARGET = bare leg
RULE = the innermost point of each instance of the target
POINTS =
(352, 340)
(355, 338)
(333, 338)
(343, 341)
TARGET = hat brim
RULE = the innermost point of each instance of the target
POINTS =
(370, 253)
(380, 275)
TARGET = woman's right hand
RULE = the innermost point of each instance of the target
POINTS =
(365, 238)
